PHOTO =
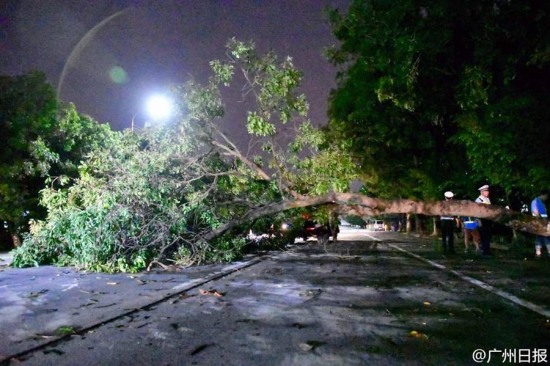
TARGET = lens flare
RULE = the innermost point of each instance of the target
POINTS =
(118, 75)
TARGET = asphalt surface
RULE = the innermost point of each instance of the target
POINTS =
(369, 299)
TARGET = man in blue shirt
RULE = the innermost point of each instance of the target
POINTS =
(538, 209)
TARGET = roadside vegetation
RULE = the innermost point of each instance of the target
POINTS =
(440, 95)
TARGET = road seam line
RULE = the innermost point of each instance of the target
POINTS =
(213, 276)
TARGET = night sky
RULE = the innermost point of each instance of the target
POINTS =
(107, 57)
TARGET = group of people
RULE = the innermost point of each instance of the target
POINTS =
(478, 231)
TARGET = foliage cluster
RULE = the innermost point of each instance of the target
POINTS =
(439, 95)
(39, 138)
(180, 192)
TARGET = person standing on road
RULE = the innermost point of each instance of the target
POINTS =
(484, 224)
(538, 209)
(334, 225)
(470, 227)
(448, 229)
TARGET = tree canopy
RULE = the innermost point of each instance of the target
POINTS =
(27, 113)
(39, 138)
(442, 95)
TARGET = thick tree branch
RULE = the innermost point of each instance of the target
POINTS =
(367, 206)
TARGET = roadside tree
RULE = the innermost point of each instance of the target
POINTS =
(39, 139)
(443, 95)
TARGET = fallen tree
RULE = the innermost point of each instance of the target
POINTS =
(364, 206)
(187, 193)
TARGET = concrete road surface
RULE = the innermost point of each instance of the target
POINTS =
(369, 299)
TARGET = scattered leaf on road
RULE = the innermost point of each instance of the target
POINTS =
(418, 335)
(199, 349)
(64, 330)
(305, 347)
(36, 294)
(211, 292)
(310, 345)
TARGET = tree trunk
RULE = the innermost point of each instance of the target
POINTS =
(417, 224)
(364, 206)
(435, 232)
(15, 240)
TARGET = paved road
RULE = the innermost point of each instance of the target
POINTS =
(361, 301)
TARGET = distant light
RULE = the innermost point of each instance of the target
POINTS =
(118, 75)
(159, 107)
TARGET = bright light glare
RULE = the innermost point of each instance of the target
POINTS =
(159, 107)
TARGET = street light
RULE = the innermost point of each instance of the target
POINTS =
(133, 118)
(159, 107)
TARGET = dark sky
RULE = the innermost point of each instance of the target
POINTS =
(78, 44)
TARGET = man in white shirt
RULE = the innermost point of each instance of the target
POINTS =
(484, 225)
(448, 229)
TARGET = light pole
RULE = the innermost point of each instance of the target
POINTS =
(133, 117)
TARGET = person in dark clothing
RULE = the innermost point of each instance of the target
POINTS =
(448, 226)
(538, 209)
